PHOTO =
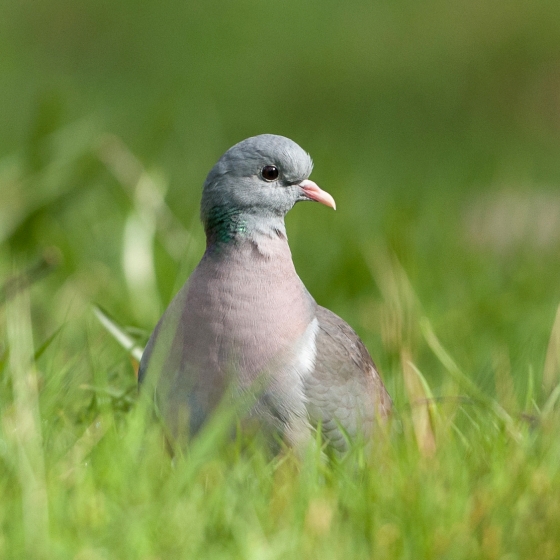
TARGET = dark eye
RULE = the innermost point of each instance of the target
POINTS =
(270, 173)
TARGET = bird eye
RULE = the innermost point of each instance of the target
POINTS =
(270, 173)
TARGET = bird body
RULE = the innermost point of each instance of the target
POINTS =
(244, 319)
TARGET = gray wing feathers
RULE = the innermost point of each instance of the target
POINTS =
(345, 388)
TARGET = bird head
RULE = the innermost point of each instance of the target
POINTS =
(261, 177)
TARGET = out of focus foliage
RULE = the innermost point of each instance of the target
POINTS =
(436, 127)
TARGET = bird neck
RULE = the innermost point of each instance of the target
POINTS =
(224, 226)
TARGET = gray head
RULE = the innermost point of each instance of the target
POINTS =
(258, 180)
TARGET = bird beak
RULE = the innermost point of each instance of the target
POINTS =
(313, 192)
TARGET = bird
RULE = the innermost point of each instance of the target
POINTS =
(244, 318)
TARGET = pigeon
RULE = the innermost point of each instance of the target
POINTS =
(244, 323)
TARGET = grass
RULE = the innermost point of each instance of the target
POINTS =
(466, 471)
(436, 131)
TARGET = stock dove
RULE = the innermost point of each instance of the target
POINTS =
(244, 318)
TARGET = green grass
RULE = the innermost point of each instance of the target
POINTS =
(436, 129)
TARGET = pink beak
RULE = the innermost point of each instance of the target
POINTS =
(314, 192)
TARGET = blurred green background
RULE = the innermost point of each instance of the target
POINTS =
(435, 125)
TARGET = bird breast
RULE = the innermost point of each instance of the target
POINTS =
(246, 311)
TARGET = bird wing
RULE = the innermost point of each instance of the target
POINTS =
(344, 390)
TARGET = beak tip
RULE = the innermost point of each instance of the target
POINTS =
(313, 192)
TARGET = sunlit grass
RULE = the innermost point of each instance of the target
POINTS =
(436, 129)
(463, 472)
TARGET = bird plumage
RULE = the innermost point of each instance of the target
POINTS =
(244, 319)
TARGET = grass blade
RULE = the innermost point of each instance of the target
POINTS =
(118, 333)
(27, 427)
(463, 381)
